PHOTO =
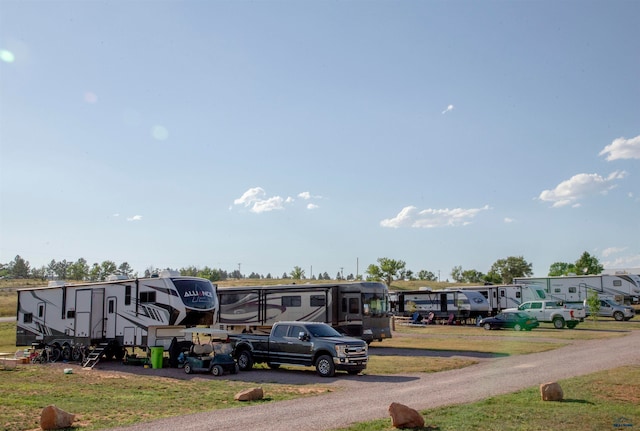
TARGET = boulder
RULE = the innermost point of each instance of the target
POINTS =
(252, 394)
(53, 418)
(551, 392)
(405, 417)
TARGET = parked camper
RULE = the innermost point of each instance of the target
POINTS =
(506, 295)
(462, 304)
(574, 289)
(357, 309)
(113, 314)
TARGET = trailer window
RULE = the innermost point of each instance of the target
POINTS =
(291, 301)
(27, 318)
(573, 289)
(71, 314)
(617, 283)
(40, 310)
(146, 297)
(127, 295)
(317, 301)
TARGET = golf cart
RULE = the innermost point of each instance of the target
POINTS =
(210, 352)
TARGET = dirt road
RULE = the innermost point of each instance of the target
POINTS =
(368, 397)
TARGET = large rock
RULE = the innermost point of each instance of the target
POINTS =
(551, 392)
(53, 418)
(252, 394)
(405, 417)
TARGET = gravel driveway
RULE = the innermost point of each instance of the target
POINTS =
(368, 397)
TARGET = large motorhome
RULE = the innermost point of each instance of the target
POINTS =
(357, 309)
(119, 312)
(462, 304)
(574, 289)
(501, 296)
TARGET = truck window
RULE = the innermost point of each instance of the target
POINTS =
(295, 330)
(536, 305)
(280, 331)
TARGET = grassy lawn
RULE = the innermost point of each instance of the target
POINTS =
(602, 401)
(102, 400)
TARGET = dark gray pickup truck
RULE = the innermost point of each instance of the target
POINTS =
(302, 343)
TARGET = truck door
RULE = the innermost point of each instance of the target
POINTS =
(111, 319)
(297, 350)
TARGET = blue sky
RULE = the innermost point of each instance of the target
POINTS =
(325, 134)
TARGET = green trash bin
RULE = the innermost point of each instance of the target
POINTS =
(157, 356)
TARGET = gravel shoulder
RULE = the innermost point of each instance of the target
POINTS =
(368, 397)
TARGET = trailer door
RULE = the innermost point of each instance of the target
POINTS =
(110, 320)
(444, 302)
(83, 312)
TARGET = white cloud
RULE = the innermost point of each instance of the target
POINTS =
(630, 261)
(448, 109)
(578, 187)
(304, 195)
(622, 148)
(256, 198)
(134, 218)
(312, 206)
(508, 220)
(273, 203)
(612, 250)
(116, 215)
(432, 218)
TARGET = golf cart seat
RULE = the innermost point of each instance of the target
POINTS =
(202, 349)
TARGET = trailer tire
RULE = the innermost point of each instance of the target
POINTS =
(217, 370)
(245, 361)
(325, 367)
(618, 316)
(558, 322)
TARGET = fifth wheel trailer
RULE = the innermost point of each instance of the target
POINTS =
(574, 288)
(118, 312)
(501, 296)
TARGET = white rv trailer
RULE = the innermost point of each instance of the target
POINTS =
(574, 289)
(501, 296)
(463, 304)
(120, 312)
(358, 309)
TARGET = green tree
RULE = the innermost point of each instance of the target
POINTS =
(423, 274)
(19, 268)
(588, 264)
(386, 270)
(78, 270)
(593, 302)
(456, 274)
(472, 276)
(297, 273)
(561, 268)
(94, 272)
(125, 269)
(107, 268)
(511, 267)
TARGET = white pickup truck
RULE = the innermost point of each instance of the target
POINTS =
(552, 312)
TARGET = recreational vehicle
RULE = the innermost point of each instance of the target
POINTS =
(506, 295)
(459, 303)
(117, 313)
(574, 289)
(357, 309)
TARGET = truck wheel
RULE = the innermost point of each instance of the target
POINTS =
(325, 367)
(517, 327)
(217, 370)
(187, 368)
(618, 316)
(245, 362)
(558, 323)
